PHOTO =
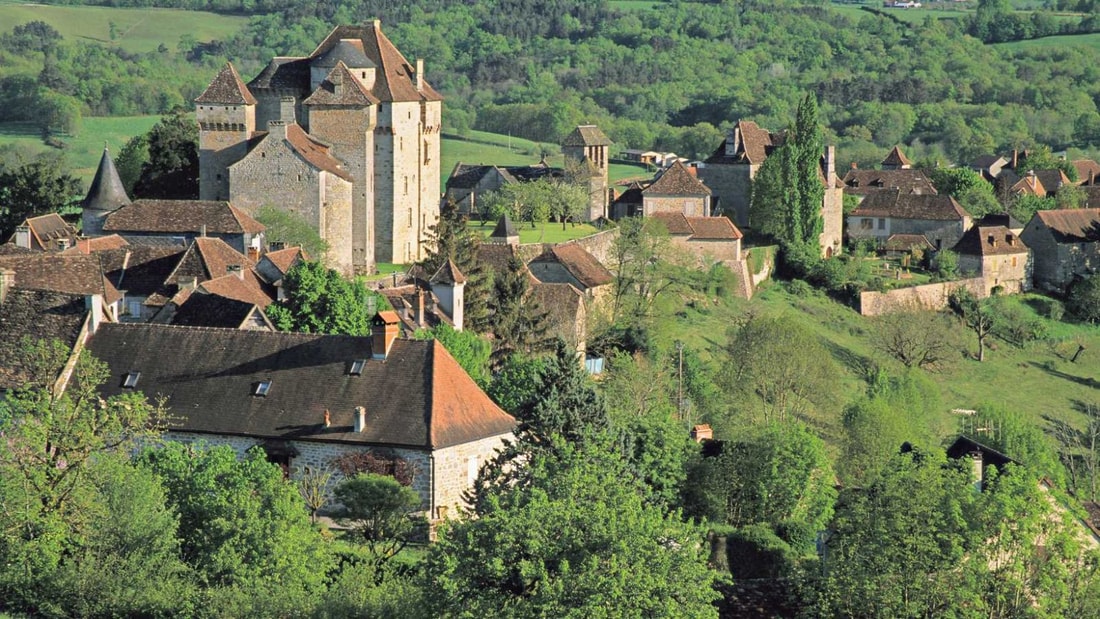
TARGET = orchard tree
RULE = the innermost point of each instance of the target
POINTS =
(1083, 299)
(916, 337)
(979, 315)
(290, 229)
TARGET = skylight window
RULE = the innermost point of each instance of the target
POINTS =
(357, 367)
(262, 388)
(131, 380)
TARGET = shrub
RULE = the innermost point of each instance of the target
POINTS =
(755, 551)
(1083, 299)
(800, 288)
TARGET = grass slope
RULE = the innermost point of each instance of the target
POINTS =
(138, 30)
(1057, 42)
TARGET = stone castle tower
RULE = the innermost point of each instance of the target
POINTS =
(586, 149)
(350, 132)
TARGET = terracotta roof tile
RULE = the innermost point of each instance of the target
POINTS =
(713, 228)
(580, 264)
(66, 273)
(246, 287)
(896, 158)
(314, 152)
(274, 265)
(181, 216)
(1030, 185)
(990, 241)
(586, 135)
(340, 88)
(675, 222)
(1087, 170)
(862, 182)
(1072, 225)
(395, 78)
(419, 397)
(894, 203)
(677, 181)
(752, 145)
(227, 89)
(98, 243)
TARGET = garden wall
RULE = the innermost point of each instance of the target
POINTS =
(928, 296)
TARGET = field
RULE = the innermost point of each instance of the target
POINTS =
(908, 15)
(136, 30)
(547, 233)
(84, 150)
(1058, 42)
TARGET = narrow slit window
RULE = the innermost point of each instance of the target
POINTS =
(131, 380)
(357, 367)
(262, 388)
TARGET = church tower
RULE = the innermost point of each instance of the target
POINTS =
(106, 195)
(585, 152)
(226, 112)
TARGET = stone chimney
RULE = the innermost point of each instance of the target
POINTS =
(235, 269)
(1015, 158)
(94, 304)
(830, 164)
(702, 432)
(7, 280)
(978, 472)
(277, 129)
(383, 331)
(360, 419)
(420, 322)
(286, 109)
(328, 418)
(23, 237)
(419, 74)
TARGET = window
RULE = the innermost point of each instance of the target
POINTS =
(131, 380)
(866, 224)
(471, 470)
(1014, 261)
(881, 224)
(357, 367)
(133, 307)
(262, 388)
(406, 185)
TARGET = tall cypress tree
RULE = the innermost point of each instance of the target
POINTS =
(517, 322)
(451, 239)
(807, 146)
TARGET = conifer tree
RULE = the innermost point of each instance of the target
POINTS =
(807, 146)
(451, 239)
(518, 323)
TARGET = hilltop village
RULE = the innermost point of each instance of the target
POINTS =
(436, 393)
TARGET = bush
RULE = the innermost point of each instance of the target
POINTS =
(800, 288)
(1083, 299)
(1013, 324)
(756, 551)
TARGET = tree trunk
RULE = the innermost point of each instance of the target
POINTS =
(1080, 349)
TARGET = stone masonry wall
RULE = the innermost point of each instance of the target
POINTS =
(337, 216)
(730, 185)
(430, 155)
(223, 140)
(691, 207)
(928, 296)
(457, 467)
(599, 244)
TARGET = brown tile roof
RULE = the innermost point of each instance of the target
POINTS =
(340, 88)
(99, 243)
(752, 145)
(274, 265)
(677, 181)
(106, 192)
(227, 89)
(140, 270)
(448, 274)
(246, 287)
(562, 303)
(419, 397)
(676, 223)
(580, 264)
(11, 249)
(495, 256)
(990, 241)
(907, 242)
(211, 310)
(1079, 225)
(395, 78)
(896, 158)
(586, 135)
(1030, 185)
(862, 182)
(314, 152)
(205, 259)
(1086, 169)
(38, 315)
(66, 273)
(50, 228)
(1052, 180)
(894, 203)
(713, 228)
(181, 216)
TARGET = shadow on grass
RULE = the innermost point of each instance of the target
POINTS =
(1080, 380)
(858, 364)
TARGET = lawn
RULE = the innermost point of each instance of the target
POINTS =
(546, 233)
(137, 30)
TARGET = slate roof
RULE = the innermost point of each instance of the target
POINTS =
(580, 264)
(418, 397)
(227, 88)
(990, 241)
(753, 145)
(999, 219)
(964, 446)
(448, 274)
(181, 216)
(283, 73)
(211, 310)
(140, 270)
(894, 203)
(1079, 225)
(862, 182)
(907, 242)
(49, 228)
(38, 315)
(896, 158)
(395, 78)
(586, 135)
(106, 192)
(348, 52)
(505, 228)
(66, 273)
(984, 162)
(341, 88)
(677, 181)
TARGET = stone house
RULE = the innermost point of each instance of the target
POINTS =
(896, 173)
(586, 149)
(998, 255)
(569, 263)
(308, 399)
(468, 183)
(677, 190)
(885, 213)
(47, 232)
(1065, 244)
(274, 265)
(139, 272)
(710, 239)
(356, 96)
(185, 220)
(65, 273)
(730, 170)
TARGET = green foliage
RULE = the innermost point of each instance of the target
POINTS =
(755, 551)
(578, 541)
(518, 382)
(945, 263)
(34, 188)
(320, 300)
(916, 337)
(973, 192)
(979, 315)
(1041, 158)
(649, 270)
(517, 322)
(287, 227)
(243, 528)
(468, 348)
(375, 508)
(172, 170)
(1013, 434)
(1083, 299)
(451, 238)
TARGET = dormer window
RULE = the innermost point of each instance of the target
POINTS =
(131, 380)
(262, 388)
(357, 367)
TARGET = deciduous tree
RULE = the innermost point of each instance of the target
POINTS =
(320, 300)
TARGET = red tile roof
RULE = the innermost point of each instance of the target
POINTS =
(896, 158)
(1087, 170)
(713, 228)
(677, 181)
(894, 203)
(227, 89)
(314, 152)
(246, 287)
(676, 223)
(752, 145)
(181, 216)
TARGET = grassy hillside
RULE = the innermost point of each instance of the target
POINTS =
(1091, 40)
(136, 30)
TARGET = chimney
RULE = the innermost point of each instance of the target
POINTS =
(1092, 176)
(337, 80)
(855, 166)
(420, 307)
(277, 128)
(383, 331)
(419, 74)
(23, 237)
(202, 231)
(328, 418)
(7, 280)
(458, 303)
(702, 433)
(94, 304)
(286, 109)
(360, 419)
(830, 164)
(978, 472)
(1015, 158)
(188, 282)
(235, 269)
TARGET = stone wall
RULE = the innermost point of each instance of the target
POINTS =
(223, 140)
(694, 206)
(1012, 273)
(928, 296)
(599, 244)
(730, 185)
(457, 467)
(711, 251)
(1056, 264)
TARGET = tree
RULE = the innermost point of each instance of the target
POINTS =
(129, 161)
(778, 368)
(320, 300)
(469, 349)
(648, 268)
(288, 228)
(172, 171)
(578, 541)
(523, 201)
(973, 192)
(806, 223)
(1041, 158)
(518, 323)
(375, 508)
(34, 188)
(916, 337)
(1083, 299)
(452, 239)
(518, 382)
(979, 315)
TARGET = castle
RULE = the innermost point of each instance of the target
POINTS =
(347, 137)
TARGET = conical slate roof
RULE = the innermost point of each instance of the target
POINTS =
(504, 228)
(448, 275)
(107, 192)
(227, 89)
